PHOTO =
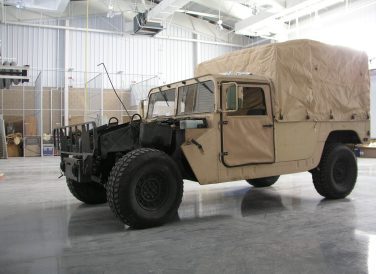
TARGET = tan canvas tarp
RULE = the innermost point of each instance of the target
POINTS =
(309, 78)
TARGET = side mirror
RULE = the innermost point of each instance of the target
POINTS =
(230, 97)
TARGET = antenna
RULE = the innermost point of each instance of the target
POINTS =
(114, 88)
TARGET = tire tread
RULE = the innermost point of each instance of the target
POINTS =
(322, 172)
(114, 181)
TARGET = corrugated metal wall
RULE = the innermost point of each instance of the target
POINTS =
(43, 50)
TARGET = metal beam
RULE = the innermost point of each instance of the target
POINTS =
(57, 6)
(265, 20)
(67, 27)
(165, 9)
(231, 8)
(14, 77)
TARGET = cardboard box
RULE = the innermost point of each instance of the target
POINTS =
(30, 126)
(32, 150)
(14, 150)
(32, 146)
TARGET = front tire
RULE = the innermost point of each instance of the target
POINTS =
(263, 182)
(89, 193)
(145, 188)
(335, 177)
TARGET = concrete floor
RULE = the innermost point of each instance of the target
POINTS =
(224, 228)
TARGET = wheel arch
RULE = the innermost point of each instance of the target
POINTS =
(343, 136)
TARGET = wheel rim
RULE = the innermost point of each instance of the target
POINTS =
(340, 171)
(151, 191)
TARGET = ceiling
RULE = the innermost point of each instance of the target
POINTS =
(272, 19)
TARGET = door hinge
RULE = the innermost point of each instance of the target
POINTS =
(225, 153)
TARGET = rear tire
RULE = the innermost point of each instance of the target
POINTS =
(263, 182)
(335, 177)
(89, 193)
(145, 188)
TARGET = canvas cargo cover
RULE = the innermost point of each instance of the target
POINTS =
(311, 80)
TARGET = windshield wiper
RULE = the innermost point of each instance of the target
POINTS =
(164, 95)
(204, 84)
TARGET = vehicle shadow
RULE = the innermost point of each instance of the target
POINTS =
(197, 207)
(89, 220)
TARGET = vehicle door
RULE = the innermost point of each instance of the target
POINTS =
(247, 128)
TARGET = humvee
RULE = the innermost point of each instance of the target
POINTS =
(250, 115)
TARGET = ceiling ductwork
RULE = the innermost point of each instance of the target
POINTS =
(142, 26)
(150, 22)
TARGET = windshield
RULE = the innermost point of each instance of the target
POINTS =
(196, 98)
(162, 103)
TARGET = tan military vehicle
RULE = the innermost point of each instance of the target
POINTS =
(250, 115)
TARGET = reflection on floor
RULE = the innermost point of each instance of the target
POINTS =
(223, 228)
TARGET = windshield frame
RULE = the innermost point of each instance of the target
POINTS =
(163, 94)
(187, 82)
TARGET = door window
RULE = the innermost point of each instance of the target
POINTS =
(251, 101)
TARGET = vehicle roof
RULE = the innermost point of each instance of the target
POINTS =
(310, 78)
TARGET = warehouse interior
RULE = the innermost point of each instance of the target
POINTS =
(68, 62)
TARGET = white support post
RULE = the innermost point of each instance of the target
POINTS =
(196, 51)
(51, 116)
(41, 114)
(66, 80)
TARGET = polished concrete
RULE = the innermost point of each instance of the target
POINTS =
(224, 228)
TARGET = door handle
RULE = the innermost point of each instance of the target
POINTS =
(270, 125)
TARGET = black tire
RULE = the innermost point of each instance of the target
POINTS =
(145, 188)
(335, 177)
(89, 193)
(263, 182)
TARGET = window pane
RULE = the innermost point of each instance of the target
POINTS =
(196, 98)
(162, 103)
(251, 102)
(231, 98)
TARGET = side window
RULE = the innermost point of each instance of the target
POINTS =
(251, 102)
(196, 98)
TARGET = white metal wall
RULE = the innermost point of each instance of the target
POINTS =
(44, 50)
(171, 60)
(352, 27)
(41, 48)
(210, 51)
